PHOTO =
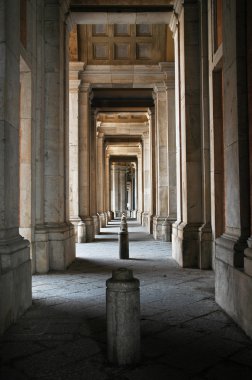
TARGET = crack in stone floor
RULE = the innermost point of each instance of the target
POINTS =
(184, 333)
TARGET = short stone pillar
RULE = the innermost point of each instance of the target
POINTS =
(81, 232)
(123, 239)
(166, 230)
(123, 317)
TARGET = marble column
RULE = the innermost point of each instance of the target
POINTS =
(108, 206)
(84, 160)
(165, 158)
(147, 172)
(101, 184)
(151, 114)
(230, 246)
(248, 251)
(55, 248)
(233, 281)
(205, 232)
(115, 187)
(186, 231)
(139, 187)
(15, 263)
(93, 171)
(74, 147)
(122, 188)
(26, 227)
(112, 187)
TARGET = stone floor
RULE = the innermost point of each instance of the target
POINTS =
(184, 334)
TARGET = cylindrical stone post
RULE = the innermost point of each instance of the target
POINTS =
(123, 317)
(123, 239)
(81, 231)
(166, 230)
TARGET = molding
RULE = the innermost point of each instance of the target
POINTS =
(140, 76)
(100, 17)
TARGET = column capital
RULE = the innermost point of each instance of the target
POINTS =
(74, 85)
(75, 68)
(151, 110)
(174, 23)
(145, 135)
(168, 68)
(178, 6)
(100, 135)
(84, 87)
(160, 87)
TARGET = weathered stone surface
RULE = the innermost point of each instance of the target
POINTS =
(123, 318)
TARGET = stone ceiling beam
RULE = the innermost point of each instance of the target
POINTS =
(94, 17)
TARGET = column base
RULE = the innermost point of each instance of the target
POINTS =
(102, 219)
(230, 249)
(54, 246)
(28, 234)
(90, 229)
(158, 231)
(109, 216)
(186, 244)
(75, 220)
(139, 216)
(147, 221)
(248, 258)
(205, 247)
(96, 225)
(233, 289)
(15, 280)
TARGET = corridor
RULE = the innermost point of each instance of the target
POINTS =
(184, 333)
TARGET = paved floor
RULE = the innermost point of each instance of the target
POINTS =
(184, 334)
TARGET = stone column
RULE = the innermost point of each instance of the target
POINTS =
(108, 206)
(165, 157)
(74, 83)
(139, 187)
(230, 246)
(147, 181)
(186, 231)
(101, 184)
(55, 247)
(134, 192)
(233, 283)
(115, 199)
(151, 115)
(248, 251)
(205, 232)
(176, 36)
(112, 186)
(84, 160)
(15, 263)
(122, 188)
(93, 171)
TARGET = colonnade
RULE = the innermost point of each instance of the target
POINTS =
(192, 156)
(102, 186)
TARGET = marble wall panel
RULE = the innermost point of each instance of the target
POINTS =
(2, 78)
(194, 195)
(51, 151)
(11, 106)
(232, 188)
(52, 202)
(11, 175)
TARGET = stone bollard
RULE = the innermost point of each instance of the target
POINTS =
(124, 225)
(123, 317)
(81, 232)
(166, 230)
(123, 239)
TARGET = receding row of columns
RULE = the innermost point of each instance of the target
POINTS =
(155, 175)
